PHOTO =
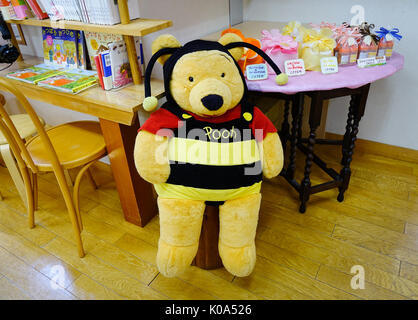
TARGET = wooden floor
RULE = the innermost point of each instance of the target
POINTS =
(299, 256)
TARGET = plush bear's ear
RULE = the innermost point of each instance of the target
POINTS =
(164, 41)
(237, 53)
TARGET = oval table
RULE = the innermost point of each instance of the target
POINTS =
(349, 81)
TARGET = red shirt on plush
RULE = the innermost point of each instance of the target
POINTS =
(164, 119)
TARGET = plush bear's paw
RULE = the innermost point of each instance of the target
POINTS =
(238, 261)
(173, 260)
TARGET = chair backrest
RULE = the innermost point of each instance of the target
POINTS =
(17, 144)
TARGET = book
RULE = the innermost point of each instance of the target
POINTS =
(99, 42)
(71, 81)
(81, 50)
(37, 10)
(61, 47)
(7, 10)
(99, 70)
(121, 69)
(106, 12)
(107, 70)
(51, 10)
(22, 9)
(34, 74)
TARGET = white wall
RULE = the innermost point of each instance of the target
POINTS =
(392, 109)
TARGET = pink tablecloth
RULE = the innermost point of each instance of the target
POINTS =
(348, 77)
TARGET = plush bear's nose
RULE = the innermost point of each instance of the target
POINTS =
(213, 102)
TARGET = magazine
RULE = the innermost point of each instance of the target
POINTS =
(71, 81)
(35, 74)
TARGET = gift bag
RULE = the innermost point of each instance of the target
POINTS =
(317, 45)
(369, 41)
(386, 41)
(280, 48)
(347, 39)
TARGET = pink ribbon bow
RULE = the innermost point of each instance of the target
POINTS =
(274, 41)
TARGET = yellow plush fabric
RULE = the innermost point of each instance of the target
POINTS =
(206, 68)
(196, 75)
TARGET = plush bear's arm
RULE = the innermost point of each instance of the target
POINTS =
(272, 155)
(151, 157)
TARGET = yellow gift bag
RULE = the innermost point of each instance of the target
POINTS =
(317, 44)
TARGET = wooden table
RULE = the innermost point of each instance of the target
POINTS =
(320, 88)
(117, 113)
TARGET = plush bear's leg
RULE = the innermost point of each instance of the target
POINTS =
(238, 223)
(180, 226)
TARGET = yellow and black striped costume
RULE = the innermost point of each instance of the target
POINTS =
(212, 162)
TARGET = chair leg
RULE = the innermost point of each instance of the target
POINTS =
(68, 179)
(30, 198)
(76, 192)
(90, 179)
(65, 190)
(14, 171)
(35, 190)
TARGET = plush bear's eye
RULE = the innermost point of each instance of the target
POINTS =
(191, 79)
(223, 75)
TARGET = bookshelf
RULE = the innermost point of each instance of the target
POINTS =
(127, 28)
(137, 27)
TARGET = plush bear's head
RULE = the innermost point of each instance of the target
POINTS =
(202, 77)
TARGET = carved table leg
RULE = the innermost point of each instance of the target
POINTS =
(284, 132)
(348, 130)
(357, 108)
(297, 106)
(315, 114)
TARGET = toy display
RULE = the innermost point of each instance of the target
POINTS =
(249, 57)
(206, 145)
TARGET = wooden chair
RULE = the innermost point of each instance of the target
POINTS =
(71, 145)
(26, 129)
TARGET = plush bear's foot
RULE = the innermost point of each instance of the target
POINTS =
(173, 260)
(238, 261)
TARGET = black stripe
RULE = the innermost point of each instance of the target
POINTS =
(215, 177)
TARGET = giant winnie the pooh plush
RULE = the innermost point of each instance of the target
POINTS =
(206, 144)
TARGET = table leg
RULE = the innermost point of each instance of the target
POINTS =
(284, 132)
(297, 107)
(357, 109)
(315, 115)
(136, 195)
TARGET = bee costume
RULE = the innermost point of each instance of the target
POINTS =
(213, 159)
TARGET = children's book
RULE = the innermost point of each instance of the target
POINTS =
(121, 69)
(22, 9)
(71, 81)
(37, 9)
(99, 42)
(65, 48)
(35, 74)
(7, 10)
(48, 45)
(81, 50)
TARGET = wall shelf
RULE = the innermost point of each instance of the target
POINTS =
(116, 105)
(137, 27)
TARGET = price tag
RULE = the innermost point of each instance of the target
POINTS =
(366, 62)
(329, 65)
(257, 72)
(295, 67)
(371, 62)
